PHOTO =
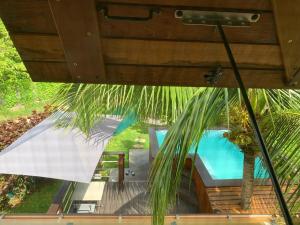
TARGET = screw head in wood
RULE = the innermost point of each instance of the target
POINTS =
(178, 13)
(255, 17)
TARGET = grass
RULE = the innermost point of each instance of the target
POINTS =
(8, 114)
(40, 200)
(127, 140)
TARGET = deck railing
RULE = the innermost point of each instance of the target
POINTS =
(63, 199)
(135, 220)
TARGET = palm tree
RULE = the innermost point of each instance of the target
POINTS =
(241, 134)
(190, 111)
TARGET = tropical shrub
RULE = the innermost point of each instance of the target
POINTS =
(16, 87)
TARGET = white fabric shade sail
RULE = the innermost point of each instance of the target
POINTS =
(59, 153)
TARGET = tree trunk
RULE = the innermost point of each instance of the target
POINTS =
(248, 179)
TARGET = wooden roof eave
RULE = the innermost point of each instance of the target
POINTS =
(70, 41)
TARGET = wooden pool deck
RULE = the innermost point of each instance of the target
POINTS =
(133, 200)
(227, 200)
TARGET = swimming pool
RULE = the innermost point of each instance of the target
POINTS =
(222, 159)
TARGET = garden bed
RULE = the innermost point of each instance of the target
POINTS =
(24, 193)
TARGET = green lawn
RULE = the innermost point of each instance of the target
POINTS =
(7, 114)
(40, 200)
(129, 139)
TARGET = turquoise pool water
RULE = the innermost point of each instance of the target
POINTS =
(222, 158)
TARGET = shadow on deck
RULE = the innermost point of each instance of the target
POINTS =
(133, 200)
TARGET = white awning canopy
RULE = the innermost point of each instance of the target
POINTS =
(59, 153)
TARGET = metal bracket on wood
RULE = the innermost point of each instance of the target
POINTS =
(211, 18)
(150, 15)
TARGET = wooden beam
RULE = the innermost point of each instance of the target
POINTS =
(161, 75)
(164, 26)
(77, 25)
(49, 72)
(39, 47)
(32, 16)
(148, 52)
(229, 4)
(187, 76)
(287, 21)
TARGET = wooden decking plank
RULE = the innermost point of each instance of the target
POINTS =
(226, 197)
(263, 187)
(266, 193)
(227, 200)
(131, 200)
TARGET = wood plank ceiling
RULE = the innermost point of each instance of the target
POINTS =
(72, 41)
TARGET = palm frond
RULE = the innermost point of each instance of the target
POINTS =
(91, 102)
(200, 113)
(190, 111)
(283, 142)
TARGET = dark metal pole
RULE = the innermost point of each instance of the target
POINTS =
(264, 151)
